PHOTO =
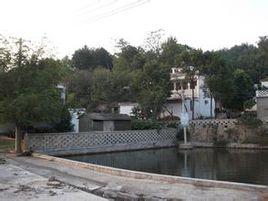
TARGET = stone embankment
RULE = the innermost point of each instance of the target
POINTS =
(227, 133)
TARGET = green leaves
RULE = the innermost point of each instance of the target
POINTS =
(86, 58)
(28, 92)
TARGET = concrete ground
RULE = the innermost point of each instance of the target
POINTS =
(18, 184)
(108, 186)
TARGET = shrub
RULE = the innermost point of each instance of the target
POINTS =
(172, 124)
(249, 120)
(138, 124)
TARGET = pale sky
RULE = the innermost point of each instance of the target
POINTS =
(70, 24)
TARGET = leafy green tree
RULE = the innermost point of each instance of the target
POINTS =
(28, 91)
(246, 57)
(86, 58)
(152, 86)
(218, 79)
(79, 87)
(101, 85)
(243, 89)
(5, 54)
(262, 70)
(129, 57)
(64, 123)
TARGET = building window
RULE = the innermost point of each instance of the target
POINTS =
(185, 85)
(178, 86)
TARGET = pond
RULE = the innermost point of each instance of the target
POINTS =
(246, 166)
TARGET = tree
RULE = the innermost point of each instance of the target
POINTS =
(152, 86)
(218, 79)
(79, 86)
(243, 89)
(64, 124)
(246, 57)
(262, 70)
(28, 91)
(5, 54)
(129, 57)
(86, 59)
(103, 58)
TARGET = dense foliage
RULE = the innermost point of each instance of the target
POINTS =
(97, 80)
(141, 74)
(28, 92)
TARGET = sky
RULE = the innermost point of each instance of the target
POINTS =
(70, 24)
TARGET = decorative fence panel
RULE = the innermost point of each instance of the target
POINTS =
(98, 141)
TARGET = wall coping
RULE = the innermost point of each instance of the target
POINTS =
(155, 177)
(213, 120)
(100, 132)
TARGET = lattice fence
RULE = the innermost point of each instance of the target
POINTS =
(67, 141)
(227, 123)
(262, 93)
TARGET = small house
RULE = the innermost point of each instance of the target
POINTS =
(104, 122)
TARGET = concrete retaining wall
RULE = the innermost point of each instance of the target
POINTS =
(155, 177)
(97, 141)
(209, 131)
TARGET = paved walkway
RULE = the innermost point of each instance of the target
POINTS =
(18, 184)
(122, 188)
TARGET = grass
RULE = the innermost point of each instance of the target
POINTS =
(6, 144)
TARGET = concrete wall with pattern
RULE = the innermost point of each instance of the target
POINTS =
(98, 141)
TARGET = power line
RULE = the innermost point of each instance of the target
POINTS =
(88, 5)
(118, 10)
(99, 7)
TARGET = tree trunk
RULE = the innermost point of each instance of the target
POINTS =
(192, 104)
(18, 140)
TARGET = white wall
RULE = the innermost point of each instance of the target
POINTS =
(75, 122)
(127, 108)
(264, 84)
(202, 108)
(175, 108)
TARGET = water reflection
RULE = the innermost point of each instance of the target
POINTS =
(218, 164)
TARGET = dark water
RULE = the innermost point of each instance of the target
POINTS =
(244, 166)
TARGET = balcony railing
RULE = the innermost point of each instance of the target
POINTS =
(187, 93)
(262, 93)
(177, 76)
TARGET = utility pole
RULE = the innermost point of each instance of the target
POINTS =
(192, 87)
(211, 115)
(183, 112)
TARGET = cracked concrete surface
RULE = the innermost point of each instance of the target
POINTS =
(18, 184)
(123, 188)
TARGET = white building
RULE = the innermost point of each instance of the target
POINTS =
(181, 94)
(204, 105)
(62, 89)
(264, 84)
(262, 102)
(127, 107)
(75, 114)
